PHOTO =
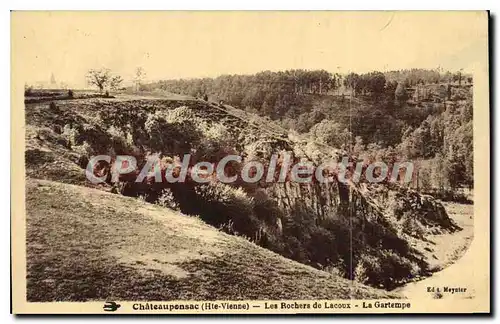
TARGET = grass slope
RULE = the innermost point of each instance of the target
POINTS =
(86, 244)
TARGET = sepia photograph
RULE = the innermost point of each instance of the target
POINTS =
(250, 162)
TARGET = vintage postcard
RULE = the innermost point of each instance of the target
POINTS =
(230, 162)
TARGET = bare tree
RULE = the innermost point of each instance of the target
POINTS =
(140, 75)
(99, 78)
(103, 78)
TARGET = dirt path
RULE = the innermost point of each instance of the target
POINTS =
(449, 253)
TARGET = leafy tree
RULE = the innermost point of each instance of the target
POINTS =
(374, 82)
(331, 133)
(353, 82)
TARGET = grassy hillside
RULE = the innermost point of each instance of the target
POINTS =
(87, 244)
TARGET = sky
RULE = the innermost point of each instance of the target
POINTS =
(206, 44)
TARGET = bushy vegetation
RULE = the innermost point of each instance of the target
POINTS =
(445, 141)
(223, 205)
(385, 269)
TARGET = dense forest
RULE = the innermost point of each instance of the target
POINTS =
(419, 115)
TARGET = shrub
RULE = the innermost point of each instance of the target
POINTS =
(70, 134)
(115, 132)
(37, 156)
(97, 138)
(330, 133)
(312, 242)
(121, 142)
(171, 138)
(178, 115)
(337, 269)
(223, 193)
(384, 270)
(211, 141)
(84, 149)
(294, 250)
(266, 209)
(215, 143)
(259, 149)
(70, 93)
(412, 227)
(365, 268)
(216, 132)
(449, 195)
(322, 246)
(167, 199)
(220, 203)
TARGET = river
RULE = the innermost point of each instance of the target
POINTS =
(451, 253)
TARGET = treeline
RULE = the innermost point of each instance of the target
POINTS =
(373, 83)
(267, 93)
(287, 93)
(423, 76)
(378, 82)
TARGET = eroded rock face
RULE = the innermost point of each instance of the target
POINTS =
(404, 206)
(323, 199)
